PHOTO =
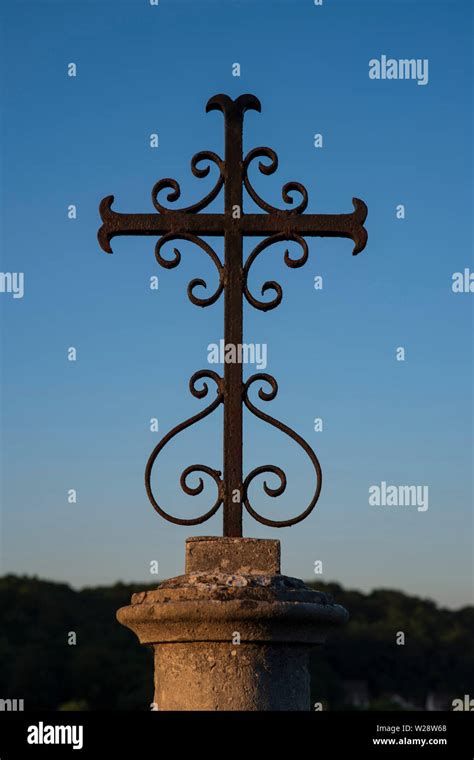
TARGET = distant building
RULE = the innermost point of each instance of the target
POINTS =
(356, 694)
(438, 701)
(401, 702)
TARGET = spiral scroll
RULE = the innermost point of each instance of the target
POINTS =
(273, 492)
(214, 474)
(175, 190)
(287, 189)
(197, 281)
(271, 284)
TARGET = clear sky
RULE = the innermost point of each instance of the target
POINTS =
(84, 425)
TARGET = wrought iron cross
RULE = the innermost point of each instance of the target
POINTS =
(274, 226)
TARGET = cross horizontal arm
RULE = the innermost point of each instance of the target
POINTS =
(115, 224)
(312, 225)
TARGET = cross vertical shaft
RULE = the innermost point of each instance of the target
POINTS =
(233, 324)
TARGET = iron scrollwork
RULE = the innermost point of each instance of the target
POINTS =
(274, 226)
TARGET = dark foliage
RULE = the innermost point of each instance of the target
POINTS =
(108, 669)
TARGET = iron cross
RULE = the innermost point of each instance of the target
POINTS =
(275, 225)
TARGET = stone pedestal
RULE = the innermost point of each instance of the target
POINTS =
(232, 633)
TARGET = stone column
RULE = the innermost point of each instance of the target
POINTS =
(232, 633)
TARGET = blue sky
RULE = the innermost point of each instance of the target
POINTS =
(84, 425)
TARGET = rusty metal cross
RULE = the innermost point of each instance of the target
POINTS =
(275, 225)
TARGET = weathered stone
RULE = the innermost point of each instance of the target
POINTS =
(235, 640)
(245, 556)
(218, 676)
